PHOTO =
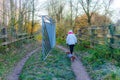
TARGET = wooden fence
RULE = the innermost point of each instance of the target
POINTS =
(99, 35)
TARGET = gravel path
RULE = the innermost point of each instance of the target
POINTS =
(77, 67)
(18, 68)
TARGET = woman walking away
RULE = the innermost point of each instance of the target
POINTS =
(71, 40)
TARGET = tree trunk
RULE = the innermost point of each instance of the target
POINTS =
(89, 20)
(32, 17)
(12, 20)
(71, 14)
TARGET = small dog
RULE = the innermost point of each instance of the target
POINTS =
(70, 56)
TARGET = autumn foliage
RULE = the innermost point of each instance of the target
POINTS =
(96, 19)
(33, 29)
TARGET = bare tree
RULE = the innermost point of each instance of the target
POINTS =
(55, 9)
(75, 13)
(3, 22)
(89, 6)
(92, 6)
(12, 17)
(106, 6)
(33, 11)
(71, 13)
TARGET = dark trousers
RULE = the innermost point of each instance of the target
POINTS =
(71, 47)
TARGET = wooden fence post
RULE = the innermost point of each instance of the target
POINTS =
(112, 31)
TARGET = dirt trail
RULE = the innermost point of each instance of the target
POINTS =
(18, 68)
(77, 67)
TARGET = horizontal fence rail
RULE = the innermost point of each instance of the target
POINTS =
(12, 38)
(100, 35)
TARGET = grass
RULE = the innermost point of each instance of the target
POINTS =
(61, 41)
(55, 67)
(12, 56)
(99, 61)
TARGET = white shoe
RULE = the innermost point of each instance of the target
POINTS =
(70, 55)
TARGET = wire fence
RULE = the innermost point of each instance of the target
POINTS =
(11, 38)
(48, 36)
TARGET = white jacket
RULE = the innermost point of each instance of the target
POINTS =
(71, 39)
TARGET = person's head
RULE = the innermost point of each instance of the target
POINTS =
(70, 32)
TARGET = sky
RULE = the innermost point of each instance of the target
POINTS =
(115, 7)
(116, 10)
(116, 4)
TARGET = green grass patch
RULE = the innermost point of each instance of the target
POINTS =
(61, 41)
(56, 67)
(99, 60)
(13, 53)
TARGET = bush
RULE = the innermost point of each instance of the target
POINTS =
(61, 41)
(3, 49)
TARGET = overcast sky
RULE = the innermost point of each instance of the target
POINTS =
(116, 10)
(116, 4)
(115, 7)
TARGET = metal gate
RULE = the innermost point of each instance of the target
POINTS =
(48, 36)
